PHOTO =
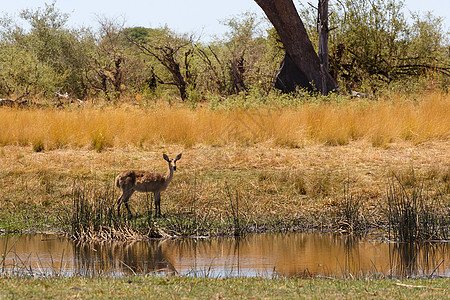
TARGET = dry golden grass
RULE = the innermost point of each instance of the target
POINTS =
(280, 162)
(378, 122)
(271, 182)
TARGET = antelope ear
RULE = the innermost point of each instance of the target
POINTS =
(178, 156)
(166, 157)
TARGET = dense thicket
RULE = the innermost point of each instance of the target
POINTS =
(373, 44)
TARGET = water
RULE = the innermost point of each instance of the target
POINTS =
(265, 255)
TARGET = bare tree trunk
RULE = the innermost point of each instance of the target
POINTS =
(289, 77)
(237, 76)
(118, 76)
(323, 41)
(284, 17)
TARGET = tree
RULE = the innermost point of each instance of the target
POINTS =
(301, 66)
(244, 60)
(107, 68)
(322, 24)
(373, 44)
(45, 58)
(171, 51)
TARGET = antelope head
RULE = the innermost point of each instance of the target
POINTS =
(172, 162)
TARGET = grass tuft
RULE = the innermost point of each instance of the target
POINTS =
(38, 146)
(413, 214)
(349, 213)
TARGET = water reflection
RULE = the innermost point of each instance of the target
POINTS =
(414, 260)
(266, 255)
(91, 259)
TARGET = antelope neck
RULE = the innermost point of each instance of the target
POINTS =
(169, 175)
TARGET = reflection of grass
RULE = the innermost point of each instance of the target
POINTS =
(20, 267)
(379, 122)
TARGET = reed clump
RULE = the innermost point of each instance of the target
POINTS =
(350, 213)
(92, 212)
(94, 217)
(414, 214)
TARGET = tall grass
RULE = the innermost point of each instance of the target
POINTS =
(94, 217)
(92, 212)
(350, 213)
(413, 214)
(379, 122)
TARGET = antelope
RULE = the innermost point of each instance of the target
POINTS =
(131, 181)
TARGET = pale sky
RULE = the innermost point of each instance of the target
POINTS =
(201, 17)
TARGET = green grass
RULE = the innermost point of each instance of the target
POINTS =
(227, 288)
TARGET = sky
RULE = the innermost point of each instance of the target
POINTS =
(201, 17)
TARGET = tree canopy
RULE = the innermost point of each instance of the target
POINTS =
(373, 45)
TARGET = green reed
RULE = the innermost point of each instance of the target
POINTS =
(414, 214)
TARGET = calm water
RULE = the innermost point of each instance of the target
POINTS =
(266, 255)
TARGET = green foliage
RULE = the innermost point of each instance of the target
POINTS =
(22, 72)
(47, 58)
(138, 33)
(250, 47)
(373, 46)
(169, 55)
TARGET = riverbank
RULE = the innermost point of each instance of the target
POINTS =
(264, 188)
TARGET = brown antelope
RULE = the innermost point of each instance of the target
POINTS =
(131, 181)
